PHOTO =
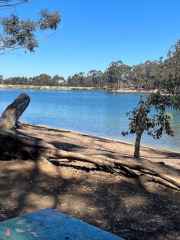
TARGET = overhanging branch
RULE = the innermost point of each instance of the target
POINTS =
(12, 3)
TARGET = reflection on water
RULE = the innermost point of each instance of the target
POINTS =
(96, 113)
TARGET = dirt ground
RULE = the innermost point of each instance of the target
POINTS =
(115, 203)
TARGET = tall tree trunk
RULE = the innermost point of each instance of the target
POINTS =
(13, 112)
(137, 145)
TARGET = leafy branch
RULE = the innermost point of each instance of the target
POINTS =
(21, 34)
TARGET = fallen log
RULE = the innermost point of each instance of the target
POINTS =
(13, 112)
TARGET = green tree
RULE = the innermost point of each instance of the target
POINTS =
(142, 120)
(100, 79)
(117, 74)
(73, 81)
(57, 80)
(92, 75)
(1, 79)
(114, 74)
(88, 82)
(81, 77)
(173, 69)
(138, 75)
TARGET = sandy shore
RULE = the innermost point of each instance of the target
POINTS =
(2, 87)
(90, 144)
(136, 91)
(114, 202)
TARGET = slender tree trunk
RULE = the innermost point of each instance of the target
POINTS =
(137, 145)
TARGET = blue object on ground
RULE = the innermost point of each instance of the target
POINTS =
(48, 224)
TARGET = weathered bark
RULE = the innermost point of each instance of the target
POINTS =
(18, 146)
(137, 145)
(13, 112)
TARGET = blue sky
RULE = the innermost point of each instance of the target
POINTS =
(94, 33)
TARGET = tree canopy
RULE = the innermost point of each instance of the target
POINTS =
(19, 33)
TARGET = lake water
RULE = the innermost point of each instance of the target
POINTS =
(96, 113)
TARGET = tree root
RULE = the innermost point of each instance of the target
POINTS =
(14, 145)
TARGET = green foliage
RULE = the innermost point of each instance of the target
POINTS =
(21, 33)
(141, 119)
(41, 80)
(49, 20)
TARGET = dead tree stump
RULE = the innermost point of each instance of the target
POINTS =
(13, 112)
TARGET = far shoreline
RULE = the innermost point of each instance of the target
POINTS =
(29, 87)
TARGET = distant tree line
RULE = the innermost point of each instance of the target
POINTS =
(41, 80)
(162, 74)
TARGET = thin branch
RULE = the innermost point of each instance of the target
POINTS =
(11, 3)
(26, 44)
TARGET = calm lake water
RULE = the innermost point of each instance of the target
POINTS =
(96, 113)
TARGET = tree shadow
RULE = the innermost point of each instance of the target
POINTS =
(111, 202)
(66, 146)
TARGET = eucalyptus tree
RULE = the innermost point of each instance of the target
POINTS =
(173, 69)
(96, 78)
(73, 81)
(121, 71)
(111, 76)
(81, 78)
(115, 74)
(18, 33)
(100, 79)
(1, 79)
(21, 33)
(154, 124)
(57, 80)
(138, 75)
(87, 82)
(152, 70)
(92, 74)
(118, 74)
(159, 75)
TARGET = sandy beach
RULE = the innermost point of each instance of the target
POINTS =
(115, 203)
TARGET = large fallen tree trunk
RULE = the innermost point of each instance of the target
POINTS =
(17, 146)
(13, 112)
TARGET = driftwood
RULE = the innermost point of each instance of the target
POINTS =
(16, 146)
(13, 112)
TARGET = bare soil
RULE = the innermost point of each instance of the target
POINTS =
(127, 207)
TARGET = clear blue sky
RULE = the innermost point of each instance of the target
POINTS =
(94, 33)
